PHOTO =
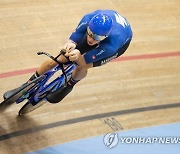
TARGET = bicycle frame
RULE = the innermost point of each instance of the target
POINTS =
(42, 88)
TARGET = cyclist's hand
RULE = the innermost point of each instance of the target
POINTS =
(69, 45)
(73, 55)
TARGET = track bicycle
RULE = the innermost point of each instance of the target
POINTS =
(36, 91)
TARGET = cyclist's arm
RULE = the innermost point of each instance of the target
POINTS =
(80, 30)
(104, 50)
(78, 34)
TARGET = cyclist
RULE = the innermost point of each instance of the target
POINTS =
(100, 36)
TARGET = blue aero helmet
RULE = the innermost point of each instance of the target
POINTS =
(100, 26)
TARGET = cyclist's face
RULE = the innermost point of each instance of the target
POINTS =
(92, 38)
(91, 41)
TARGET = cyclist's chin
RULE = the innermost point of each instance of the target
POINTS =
(92, 43)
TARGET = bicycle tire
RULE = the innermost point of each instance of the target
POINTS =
(4, 105)
(28, 107)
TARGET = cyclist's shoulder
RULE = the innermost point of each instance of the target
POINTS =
(115, 41)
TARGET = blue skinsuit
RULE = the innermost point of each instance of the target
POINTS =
(121, 34)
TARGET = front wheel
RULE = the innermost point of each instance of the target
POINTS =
(28, 107)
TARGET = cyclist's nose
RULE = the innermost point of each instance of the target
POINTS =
(91, 40)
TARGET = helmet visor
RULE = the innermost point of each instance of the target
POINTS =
(95, 36)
